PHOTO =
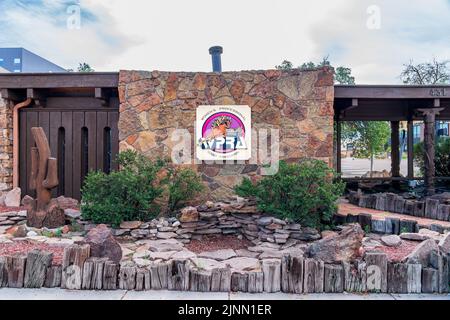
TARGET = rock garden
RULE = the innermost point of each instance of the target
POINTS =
(281, 233)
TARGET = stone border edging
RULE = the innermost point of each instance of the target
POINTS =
(430, 208)
(290, 274)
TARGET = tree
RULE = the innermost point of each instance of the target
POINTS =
(285, 65)
(434, 72)
(369, 138)
(342, 75)
(85, 67)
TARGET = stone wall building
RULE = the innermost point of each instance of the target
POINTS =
(298, 103)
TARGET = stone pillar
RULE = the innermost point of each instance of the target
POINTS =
(395, 149)
(429, 147)
(6, 140)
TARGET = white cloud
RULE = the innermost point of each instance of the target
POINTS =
(256, 34)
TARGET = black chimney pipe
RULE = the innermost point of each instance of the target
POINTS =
(216, 53)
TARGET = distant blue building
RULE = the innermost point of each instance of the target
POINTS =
(23, 61)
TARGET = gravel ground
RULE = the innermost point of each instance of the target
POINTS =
(212, 243)
(23, 247)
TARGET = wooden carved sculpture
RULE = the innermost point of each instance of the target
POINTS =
(44, 177)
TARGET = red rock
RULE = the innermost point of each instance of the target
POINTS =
(103, 244)
(189, 214)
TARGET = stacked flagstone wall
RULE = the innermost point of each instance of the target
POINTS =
(298, 103)
(6, 159)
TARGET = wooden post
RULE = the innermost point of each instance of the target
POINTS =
(395, 150)
(127, 278)
(429, 146)
(3, 273)
(272, 275)
(36, 269)
(292, 274)
(53, 277)
(221, 280)
(377, 264)
(15, 267)
(178, 278)
(239, 282)
(110, 275)
(338, 146)
(313, 276)
(410, 149)
(72, 266)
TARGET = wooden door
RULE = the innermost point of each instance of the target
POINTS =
(81, 140)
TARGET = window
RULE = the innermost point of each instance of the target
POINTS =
(16, 70)
(416, 131)
(442, 128)
(17, 61)
(1, 60)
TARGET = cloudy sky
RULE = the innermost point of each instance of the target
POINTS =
(373, 37)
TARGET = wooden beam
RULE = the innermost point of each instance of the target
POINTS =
(103, 95)
(410, 149)
(392, 92)
(39, 96)
(12, 95)
(59, 80)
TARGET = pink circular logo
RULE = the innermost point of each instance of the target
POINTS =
(222, 132)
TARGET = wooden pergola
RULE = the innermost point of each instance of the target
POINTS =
(394, 104)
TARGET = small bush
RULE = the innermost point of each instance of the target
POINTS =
(304, 192)
(442, 156)
(124, 195)
(184, 184)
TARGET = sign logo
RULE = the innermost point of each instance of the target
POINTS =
(223, 133)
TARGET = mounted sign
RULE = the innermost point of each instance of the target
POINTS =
(223, 133)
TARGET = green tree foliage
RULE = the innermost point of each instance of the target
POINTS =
(434, 72)
(442, 156)
(85, 67)
(131, 192)
(184, 184)
(305, 192)
(369, 138)
(343, 75)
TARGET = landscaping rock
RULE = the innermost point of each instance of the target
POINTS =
(207, 264)
(421, 254)
(103, 244)
(184, 255)
(189, 214)
(27, 201)
(218, 255)
(162, 245)
(391, 240)
(344, 246)
(13, 197)
(72, 213)
(18, 231)
(414, 236)
(247, 253)
(130, 225)
(240, 264)
(66, 203)
(166, 235)
(444, 244)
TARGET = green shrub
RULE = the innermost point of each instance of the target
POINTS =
(442, 156)
(124, 195)
(304, 192)
(184, 184)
